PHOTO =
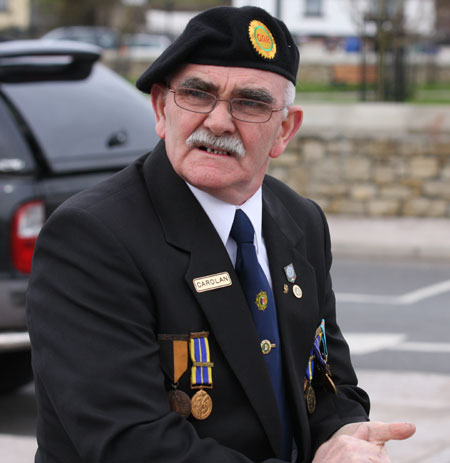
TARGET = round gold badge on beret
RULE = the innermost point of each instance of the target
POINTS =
(262, 39)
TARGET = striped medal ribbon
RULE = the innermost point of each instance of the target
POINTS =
(201, 375)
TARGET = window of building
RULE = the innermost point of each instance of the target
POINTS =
(313, 8)
(4, 5)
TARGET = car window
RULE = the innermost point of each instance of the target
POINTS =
(15, 155)
(98, 122)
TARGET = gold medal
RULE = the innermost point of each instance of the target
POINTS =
(180, 402)
(201, 405)
(310, 397)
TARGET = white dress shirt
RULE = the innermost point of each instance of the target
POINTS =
(222, 214)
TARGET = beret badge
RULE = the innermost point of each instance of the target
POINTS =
(262, 39)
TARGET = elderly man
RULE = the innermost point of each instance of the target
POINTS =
(182, 311)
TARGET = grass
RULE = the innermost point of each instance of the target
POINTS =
(438, 93)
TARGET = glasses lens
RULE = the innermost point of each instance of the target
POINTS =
(251, 110)
(194, 100)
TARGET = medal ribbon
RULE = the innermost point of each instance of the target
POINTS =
(315, 352)
(201, 370)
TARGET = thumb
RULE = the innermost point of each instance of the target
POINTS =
(383, 432)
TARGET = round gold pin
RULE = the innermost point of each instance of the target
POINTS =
(201, 405)
(267, 346)
(297, 291)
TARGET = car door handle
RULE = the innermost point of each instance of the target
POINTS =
(117, 138)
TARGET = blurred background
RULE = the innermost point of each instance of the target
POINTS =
(373, 151)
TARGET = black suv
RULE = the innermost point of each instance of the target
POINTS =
(66, 122)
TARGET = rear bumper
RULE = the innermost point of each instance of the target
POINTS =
(12, 304)
(14, 341)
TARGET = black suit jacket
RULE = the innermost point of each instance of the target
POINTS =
(114, 268)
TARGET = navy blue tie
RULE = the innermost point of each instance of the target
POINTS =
(262, 305)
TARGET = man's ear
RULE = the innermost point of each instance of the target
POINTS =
(158, 96)
(289, 127)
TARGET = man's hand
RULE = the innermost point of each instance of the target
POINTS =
(362, 442)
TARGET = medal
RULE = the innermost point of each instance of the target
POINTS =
(318, 363)
(180, 402)
(201, 375)
(201, 405)
(310, 398)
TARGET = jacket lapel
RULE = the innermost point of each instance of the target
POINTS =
(186, 226)
(297, 316)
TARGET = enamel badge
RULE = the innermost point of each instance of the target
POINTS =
(262, 39)
(262, 300)
(289, 271)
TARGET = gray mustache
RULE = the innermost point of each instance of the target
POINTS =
(229, 143)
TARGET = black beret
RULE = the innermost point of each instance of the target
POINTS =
(246, 37)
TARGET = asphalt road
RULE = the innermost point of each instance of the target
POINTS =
(396, 318)
(395, 315)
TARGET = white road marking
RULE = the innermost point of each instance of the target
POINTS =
(433, 347)
(367, 343)
(405, 299)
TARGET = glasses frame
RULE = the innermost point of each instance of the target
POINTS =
(230, 104)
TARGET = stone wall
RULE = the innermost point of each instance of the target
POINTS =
(371, 159)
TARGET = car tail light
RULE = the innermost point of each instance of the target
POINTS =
(26, 224)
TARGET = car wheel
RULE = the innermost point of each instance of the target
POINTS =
(16, 370)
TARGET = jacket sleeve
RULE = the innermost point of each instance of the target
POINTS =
(350, 404)
(95, 354)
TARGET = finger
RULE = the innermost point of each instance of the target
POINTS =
(383, 432)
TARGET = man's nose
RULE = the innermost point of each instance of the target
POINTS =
(220, 120)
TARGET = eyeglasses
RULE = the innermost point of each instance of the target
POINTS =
(242, 109)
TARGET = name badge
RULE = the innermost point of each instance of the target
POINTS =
(210, 282)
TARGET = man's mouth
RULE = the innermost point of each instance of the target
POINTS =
(214, 151)
(225, 145)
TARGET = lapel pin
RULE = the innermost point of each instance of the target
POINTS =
(297, 291)
(290, 273)
(285, 288)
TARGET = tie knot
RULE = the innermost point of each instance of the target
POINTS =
(242, 230)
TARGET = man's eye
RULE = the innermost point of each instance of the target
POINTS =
(250, 105)
(193, 94)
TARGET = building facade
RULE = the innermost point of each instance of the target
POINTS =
(14, 14)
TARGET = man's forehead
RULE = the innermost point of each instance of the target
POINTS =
(218, 77)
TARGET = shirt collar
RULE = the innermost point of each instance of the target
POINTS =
(221, 214)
